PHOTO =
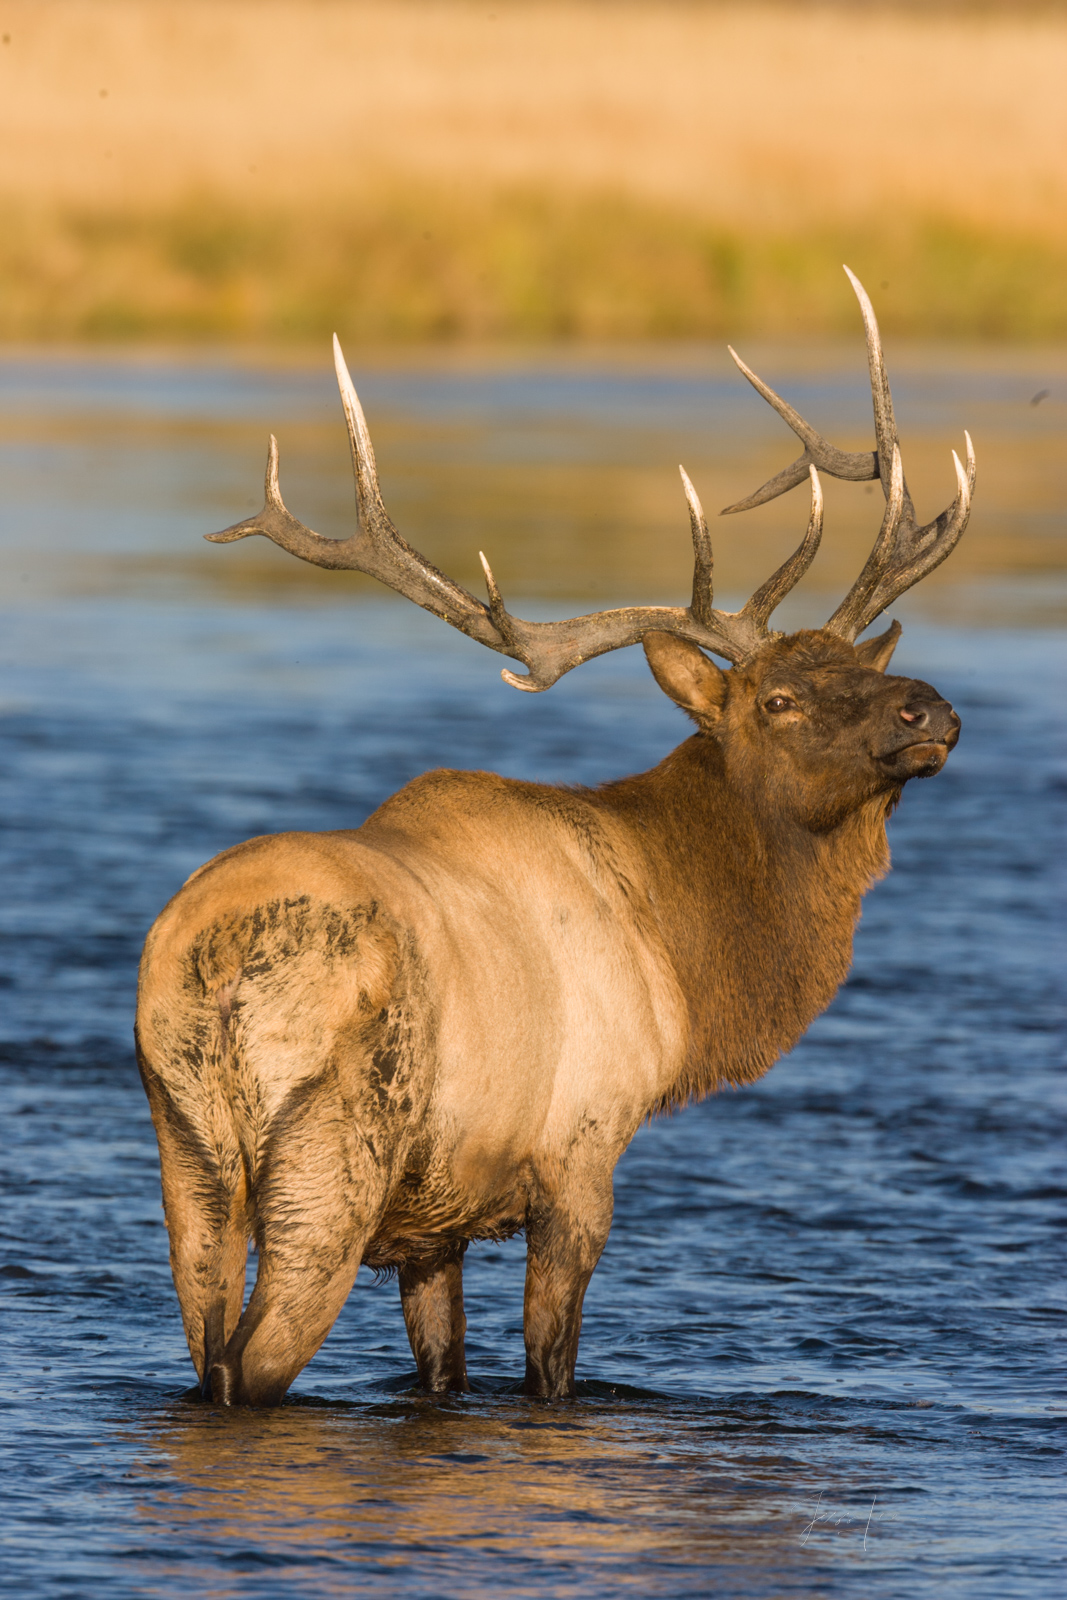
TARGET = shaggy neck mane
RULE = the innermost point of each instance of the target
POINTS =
(756, 912)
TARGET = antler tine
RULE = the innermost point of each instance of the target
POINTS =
(904, 553)
(369, 501)
(885, 425)
(859, 596)
(819, 452)
(376, 524)
(856, 466)
(276, 523)
(376, 548)
(497, 609)
(770, 595)
(703, 563)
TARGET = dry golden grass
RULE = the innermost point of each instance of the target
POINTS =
(537, 167)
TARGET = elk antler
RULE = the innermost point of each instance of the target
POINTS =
(546, 649)
(903, 552)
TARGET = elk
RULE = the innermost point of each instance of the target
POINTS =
(374, 1046)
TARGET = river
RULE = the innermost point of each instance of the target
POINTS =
(823, 1352)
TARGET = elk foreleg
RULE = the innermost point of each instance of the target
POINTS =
(431, 1294)
(564, 1241)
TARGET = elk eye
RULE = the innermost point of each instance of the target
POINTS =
(780, 702)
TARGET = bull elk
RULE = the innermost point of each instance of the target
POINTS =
(379, 1044)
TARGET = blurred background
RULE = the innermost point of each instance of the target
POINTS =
(535, 224)
(820, 1354)
(533, 169)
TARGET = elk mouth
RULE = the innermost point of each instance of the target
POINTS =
(923, 758)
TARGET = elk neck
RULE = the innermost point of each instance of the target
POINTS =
(756, 912)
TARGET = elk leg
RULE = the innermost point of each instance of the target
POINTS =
(205, 1204)
(562, 1249)
(316, 1199)
(208, 1256)
(294, 1305)
(431, 1294)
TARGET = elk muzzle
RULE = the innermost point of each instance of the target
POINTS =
(924, 729)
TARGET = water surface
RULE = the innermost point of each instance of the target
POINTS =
(564, 470)
(823, 1352)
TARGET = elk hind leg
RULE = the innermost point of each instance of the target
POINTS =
(316, 1197)
(431, 1294)
(205, 1202)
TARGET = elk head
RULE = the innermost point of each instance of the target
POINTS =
(810, 726)
(811, 716)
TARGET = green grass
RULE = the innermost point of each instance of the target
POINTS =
(521, 264)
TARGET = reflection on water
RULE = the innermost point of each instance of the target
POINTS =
(619, 1491)
(821, 1354)
(564, 471)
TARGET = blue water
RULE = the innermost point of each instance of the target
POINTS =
(823, 1353)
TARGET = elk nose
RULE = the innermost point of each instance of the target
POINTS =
(933, 717)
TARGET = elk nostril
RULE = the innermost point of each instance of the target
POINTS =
(916, 716)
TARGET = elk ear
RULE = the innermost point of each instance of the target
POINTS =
(683, 671)
(876, 653)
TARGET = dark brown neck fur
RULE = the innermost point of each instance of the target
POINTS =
(757, 913)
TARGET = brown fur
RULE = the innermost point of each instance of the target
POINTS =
(448, 1024)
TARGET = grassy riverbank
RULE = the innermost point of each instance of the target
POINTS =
(532, 169)
(520, 264)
